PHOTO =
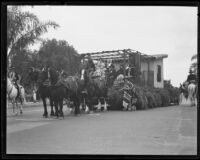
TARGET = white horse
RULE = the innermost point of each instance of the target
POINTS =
(12, 94)
(192, 93)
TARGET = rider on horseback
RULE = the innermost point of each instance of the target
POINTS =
(191, 77)
(15, 77)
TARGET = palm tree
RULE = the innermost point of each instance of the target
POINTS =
(194, 64)
(23, 29)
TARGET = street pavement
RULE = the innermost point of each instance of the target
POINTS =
(160, 131)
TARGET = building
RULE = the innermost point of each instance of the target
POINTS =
(150, 66)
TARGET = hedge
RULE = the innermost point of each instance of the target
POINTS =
(147, 97)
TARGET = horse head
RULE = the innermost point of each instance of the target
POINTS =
(37, 76)
(53, 75)
(83, 76)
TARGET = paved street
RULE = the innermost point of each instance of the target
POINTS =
(163, 131)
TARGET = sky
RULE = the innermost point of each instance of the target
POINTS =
(147, 29)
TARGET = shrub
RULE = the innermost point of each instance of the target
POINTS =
(158, 99)
(174, 94)
(150, 97)
(165, 97)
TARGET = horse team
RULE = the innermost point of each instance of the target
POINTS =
(84, 92)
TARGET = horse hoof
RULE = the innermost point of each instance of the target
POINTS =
(62, 115)
(45, 115)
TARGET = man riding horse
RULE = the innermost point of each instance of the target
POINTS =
(192, 87)
(15, 77)
(191, 77)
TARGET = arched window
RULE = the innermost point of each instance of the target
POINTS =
(158, 73)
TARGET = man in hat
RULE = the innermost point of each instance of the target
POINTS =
(90, 66)
(191, 77)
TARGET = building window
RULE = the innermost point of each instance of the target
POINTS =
(159, 73)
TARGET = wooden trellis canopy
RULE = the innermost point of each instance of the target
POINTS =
(110, 55)
(119, 55)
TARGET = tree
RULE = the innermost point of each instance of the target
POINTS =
(194, 64)
(60, 55)
(23, 29)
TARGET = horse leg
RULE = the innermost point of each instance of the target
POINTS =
(105, 104)
(99, 105)
(51, 104)
(13, 104)
(56, 108)
(193, 100)
(84, 104)
(61, 107)
(17, 107)
(21, 105)
(77, 104)
(45, 107)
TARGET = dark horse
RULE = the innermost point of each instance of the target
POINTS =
(40, 77)
(96, 89)
(50, 86)
(57, 92)
(63, 88)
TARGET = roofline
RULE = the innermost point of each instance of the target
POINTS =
(119, 54)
